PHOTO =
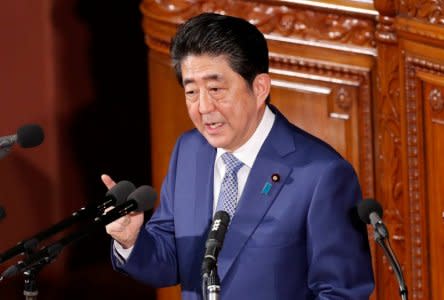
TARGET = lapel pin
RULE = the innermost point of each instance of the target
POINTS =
(275, 177)
(266, 189)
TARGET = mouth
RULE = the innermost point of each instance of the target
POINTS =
(213, 127)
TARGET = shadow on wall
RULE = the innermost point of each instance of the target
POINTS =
(92, 64)
(109, 134)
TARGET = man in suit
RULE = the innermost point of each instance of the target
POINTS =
(291, 234)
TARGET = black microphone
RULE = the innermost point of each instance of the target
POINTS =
(215, 241)
(370, 212)
(115, 196)
(2, 213)
(142, 199)
(27, 136)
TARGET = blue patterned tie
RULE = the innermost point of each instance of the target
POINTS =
(228, 190)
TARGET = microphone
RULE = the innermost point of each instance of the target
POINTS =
(2, 213)
(370, 212)
(215, 241)
(142, 199)
(115, 196)
(27, 136)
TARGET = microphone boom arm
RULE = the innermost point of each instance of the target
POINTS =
(31, 243)
(49, 253)
(115, 195)
(381, 237)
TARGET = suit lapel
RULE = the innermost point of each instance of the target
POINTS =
(259, 193)
(204, 188)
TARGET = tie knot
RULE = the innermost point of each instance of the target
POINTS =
(231, 162)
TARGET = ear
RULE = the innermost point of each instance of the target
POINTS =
(261, 87)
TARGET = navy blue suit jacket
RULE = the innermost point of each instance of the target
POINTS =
(297, 241)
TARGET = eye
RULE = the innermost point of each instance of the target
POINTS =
(216, 92)
(191, 95)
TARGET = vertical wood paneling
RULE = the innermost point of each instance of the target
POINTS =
(434, 170)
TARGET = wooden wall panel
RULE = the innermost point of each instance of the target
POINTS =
(325, 111)
(434, 170)
(331, 103)
(423, 79)
(389, 180)
(168, 114)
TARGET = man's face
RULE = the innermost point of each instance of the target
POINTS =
(222, 106)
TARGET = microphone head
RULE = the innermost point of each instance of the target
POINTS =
(30, 135)
(2, 213)
(368, 206)
(223, 216)
(120, 192)
(144, 196)
(215, 240)
(221, 220)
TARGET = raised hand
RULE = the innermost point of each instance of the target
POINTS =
(125, 229)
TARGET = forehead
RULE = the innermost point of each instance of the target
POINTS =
(205, 67)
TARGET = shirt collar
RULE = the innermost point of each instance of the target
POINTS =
(247, 153)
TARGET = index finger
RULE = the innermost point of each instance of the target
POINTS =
(108, 181)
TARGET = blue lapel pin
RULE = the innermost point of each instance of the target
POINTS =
(266, 189)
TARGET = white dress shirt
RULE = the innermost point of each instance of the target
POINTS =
(247, 154)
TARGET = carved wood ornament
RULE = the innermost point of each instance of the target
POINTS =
(436, 100)
(431, 11)
(278, 20)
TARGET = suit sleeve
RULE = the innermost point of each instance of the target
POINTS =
(153, 259)
(338, 252)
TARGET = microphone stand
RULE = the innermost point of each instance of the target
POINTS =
(381, 237)
(211, 285)
(36, 261)
(28, 245)
(30, 290)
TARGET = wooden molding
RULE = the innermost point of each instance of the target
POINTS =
(296, 23)
(420, 31)
(385, 30)
(389, 153)
(430, 11)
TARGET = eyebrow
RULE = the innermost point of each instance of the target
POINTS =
(216, 77)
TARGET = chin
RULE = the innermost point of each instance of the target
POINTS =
(215, 142)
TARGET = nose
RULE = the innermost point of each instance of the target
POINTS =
(206, 104)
